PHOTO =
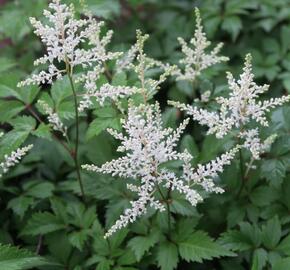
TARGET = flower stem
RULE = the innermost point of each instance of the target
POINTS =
(76, 150)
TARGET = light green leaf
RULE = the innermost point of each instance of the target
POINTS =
(199, 246)
(271, 233)
(12, 258)
(9, 109)
(282, 264)
(167, 256)
(101, 124)
(42, 223)
(259, 259)
(284, 246)
(42, 131)
(6, 64)
(141, 244)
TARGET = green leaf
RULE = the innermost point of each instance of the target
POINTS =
(284, 246)
(274, 171)
(40, 190)
(235, 240)
(60, 90)
(42, 131)
(78, 238)
(20, 205)
(6, 64)
(285, 38)
(271, 233)
(12, 258)
(23, 123)
(282, 264)
(189, 144)
(259, 259)
(42, 223)
(127, 258)
(199, 246)
(141, 244)
(232, 25)
(263, 196)
(105, 264)
(101, 124)
(167, 256)
(9, 109)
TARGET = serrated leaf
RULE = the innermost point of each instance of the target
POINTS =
(101, 124)
(167, 256)
(232, 25)
(105, 264)
(78, 238)
(9, 109)
(40, 190)
(282, 264)
(127, 258)
(284, 246)
(235, 240)
(274, 171)
(141, 244)
(20, 205)
(271, 233)
(6, 64)
(12, 258)
(60, 90)
(42, 131)
(262, 196)
(259, 259)
(42, 223)
(199, 246)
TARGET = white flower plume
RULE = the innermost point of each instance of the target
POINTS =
(239, 108)
(13, 158)
(197, 59)
(147, 145)
(63, 37)
(53, 118)
(138, 61)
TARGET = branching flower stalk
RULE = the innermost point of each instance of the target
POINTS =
(69, 70)
(64, 37)
(147, 145)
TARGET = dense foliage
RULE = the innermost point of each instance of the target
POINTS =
(52, 220)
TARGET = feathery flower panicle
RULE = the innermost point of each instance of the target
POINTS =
(13, 158)
(239, 108)
(106, 91)
(137, 60)
(147, 145)
(253, 143)
(63, 37)
(197, 59)
(53, 118)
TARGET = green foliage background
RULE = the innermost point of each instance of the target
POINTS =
(40, 207)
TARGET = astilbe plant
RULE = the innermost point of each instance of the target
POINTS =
(77, 49)
(147, 146)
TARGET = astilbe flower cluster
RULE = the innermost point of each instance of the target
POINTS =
(239, 109)
(10, 160)
(64, 37)
(147, 145)
(138, 61)
(53, 118)
(196, 59)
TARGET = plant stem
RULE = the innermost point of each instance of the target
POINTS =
(166, 200)
(34, 114)
(75, 154)
(242, 170)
